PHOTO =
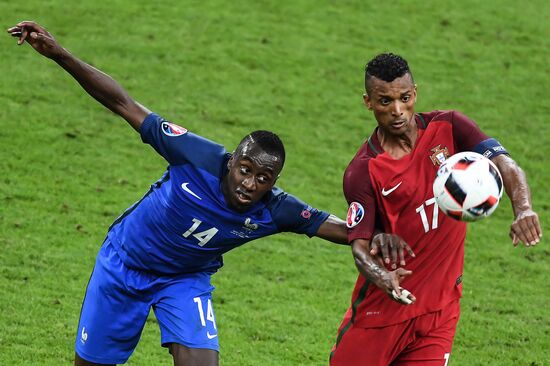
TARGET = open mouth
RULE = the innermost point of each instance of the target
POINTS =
(242, 197)
(398, 124)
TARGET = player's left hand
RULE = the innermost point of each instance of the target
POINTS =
(37, 36)
(526, 228)
(388, 248)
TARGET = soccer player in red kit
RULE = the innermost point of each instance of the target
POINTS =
(388, 184)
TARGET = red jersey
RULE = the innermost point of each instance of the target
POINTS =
(397, 196)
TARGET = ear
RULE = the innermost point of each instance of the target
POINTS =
(415, 93)
(368, 101)
(231, 160)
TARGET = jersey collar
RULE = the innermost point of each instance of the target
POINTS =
(375, 148)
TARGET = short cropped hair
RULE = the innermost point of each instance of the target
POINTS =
(387, 67)
(268, 141)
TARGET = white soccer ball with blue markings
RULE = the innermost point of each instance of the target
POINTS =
(468, 186)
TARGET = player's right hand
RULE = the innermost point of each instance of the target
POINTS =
(388, 248)
(38, 37)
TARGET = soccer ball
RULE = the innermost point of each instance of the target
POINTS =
(468, 186)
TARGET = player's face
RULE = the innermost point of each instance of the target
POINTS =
(252, 173)
(392, 103)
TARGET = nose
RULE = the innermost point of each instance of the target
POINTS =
(249, 183)
(397, 109)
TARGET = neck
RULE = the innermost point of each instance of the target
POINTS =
(398, 146)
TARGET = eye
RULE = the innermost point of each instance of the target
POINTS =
(384, 101)
(244, 169)
(263, 179)
(406, 98)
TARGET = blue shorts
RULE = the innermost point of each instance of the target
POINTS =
(118, 300)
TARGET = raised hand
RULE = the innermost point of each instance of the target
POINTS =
(388, 248)
(38, 37)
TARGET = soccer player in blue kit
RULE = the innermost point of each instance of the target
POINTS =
(161, 252)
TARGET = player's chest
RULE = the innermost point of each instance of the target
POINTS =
(404, 188)
(408, 181)
(197, 211)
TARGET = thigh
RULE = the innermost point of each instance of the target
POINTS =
(433, 345)
(185, 356)
(370, 346)
(184, 310)
(113, 312)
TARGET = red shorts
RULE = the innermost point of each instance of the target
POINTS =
(425, 340)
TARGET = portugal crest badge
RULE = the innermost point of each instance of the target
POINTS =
(440, 154)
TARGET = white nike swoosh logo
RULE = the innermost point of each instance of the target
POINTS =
(186, 189)
(385, 193)
(210, 336)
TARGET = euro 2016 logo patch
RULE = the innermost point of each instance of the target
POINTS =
(173, 130)
(356, 212)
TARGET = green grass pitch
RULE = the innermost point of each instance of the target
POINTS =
(221, 69)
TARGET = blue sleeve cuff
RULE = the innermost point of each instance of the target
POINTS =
(146, 126)
(322, 216)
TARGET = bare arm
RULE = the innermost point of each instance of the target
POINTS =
(97, 84)
(526, 226)
(385, 248)
(333, 229)
(369, 267)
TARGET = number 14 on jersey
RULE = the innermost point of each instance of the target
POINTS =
(204, 236)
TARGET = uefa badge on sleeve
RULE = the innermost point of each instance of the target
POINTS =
(173, 130)
(355, 214)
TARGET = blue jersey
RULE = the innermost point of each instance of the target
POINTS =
(183, 223)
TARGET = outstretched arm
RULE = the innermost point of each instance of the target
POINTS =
(333, 229)
(385, 248)
(99, 85)
(368, 266)
(367, 258)
(526, 226)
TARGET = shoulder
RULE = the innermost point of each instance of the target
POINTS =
(275, 197)
(359, 165)
(357, 182)
(289, 213)
(465, 131)
(445, 115)
(449, 115)
(180, 146)
(279, 202)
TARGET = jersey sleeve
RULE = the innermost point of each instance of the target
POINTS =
(469, 137)
(179, 146)
(293, 215)
(361, 217)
